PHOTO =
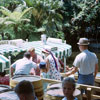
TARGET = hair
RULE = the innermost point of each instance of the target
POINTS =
(3, 73)
(24, 87)
(31, 49)
(27, 55)
(69, 80)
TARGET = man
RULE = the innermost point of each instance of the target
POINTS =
(23, 66)
(25, 90)
(37, 59)
(86, 63)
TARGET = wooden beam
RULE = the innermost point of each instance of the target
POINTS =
(95, 96)
(50, 80)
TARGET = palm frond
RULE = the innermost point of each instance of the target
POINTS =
(25, 11)
(5, 11)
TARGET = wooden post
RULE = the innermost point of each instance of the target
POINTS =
(88, 93)
(9, 67)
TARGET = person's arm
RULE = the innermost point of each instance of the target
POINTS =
(13, 66)
(32, 72)
(61, 65)
(74, 70)
(47, 64)
(34, 68)
(68, 68)
(12, 70)
(96, 70)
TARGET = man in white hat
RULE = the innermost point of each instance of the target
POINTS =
(86, 63)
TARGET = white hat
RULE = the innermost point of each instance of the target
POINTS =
(83, 41)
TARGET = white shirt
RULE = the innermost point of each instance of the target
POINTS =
(23, 66)
(86, 62)
(66, 98)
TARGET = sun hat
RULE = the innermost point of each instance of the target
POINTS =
(46, 49)
(83, 41)
(42, 65)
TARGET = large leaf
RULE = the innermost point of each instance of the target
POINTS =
(25, 11)
(5, 11)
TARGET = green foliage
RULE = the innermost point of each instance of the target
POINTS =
(67, 19)
(78, 16)
(14, 19)
(45, 16)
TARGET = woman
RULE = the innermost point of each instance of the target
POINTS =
(53, 65)
(37, 59)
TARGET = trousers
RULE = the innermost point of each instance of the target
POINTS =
(86, 79)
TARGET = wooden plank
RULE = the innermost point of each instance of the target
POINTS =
(95, 96)
(50, 80)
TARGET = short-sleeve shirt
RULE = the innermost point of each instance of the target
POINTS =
(23, 66)
(86, 62)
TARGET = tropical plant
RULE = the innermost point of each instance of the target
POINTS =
(82, 16)
(15, 18)
(45, 16)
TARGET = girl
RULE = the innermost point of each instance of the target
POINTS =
(68, 86)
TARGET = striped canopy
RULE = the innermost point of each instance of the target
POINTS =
(4, 63)
(64, 50)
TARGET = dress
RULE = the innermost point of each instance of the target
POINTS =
(53, 72)
(66, 98)
(86, 62)
(44, 75)
(23, 66)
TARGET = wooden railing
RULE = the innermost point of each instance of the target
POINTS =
(92, 92)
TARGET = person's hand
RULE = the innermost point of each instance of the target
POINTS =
(68, 73)
(31, 73)
(68, 68)
(61, 69)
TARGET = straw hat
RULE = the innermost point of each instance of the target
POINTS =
(83, 41)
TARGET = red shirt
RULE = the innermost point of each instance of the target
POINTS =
(4, 80)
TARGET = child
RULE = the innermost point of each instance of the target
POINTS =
(25, 90)
(43, 73)
(68, 86)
